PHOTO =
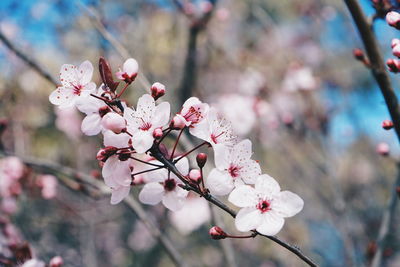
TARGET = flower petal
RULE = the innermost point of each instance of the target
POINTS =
(85, 72)
(221, 156)
(145, 108)
(142, 141)
(183, 166)
(108, 169)
(62, 97)
(250, 171)
(68, 75)
(271, 223)
(220, 183)
(287, 204)
(175, 200)
(151, 194)
(89, 104)
(91, 124)
(248, 219)
(131, 66)
(116, 140)
(243, 196)
(242, 150)
(267, 186)
(119, 193)
(161, 115)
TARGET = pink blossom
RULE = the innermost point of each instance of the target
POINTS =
(75, 83)
(142, 121)
(164, 187)
(129, 71)
(49, 186)
(113, 122)
(393, 19)
(9, 205)
(194, 214)
(56, 261)
(299, 78)
(193, 112)
(12, 167)
(68, 121)
(383, 149)
(157, 90)
(215, 130)
(233, 167)
(265, 206)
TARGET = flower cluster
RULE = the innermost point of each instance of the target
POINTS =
(134, 152)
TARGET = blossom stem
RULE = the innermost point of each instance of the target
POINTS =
(243, 236)
(123, 90)
(150, 170)
(190, 151)
(165, 135)
(176, 143)
(145, 162)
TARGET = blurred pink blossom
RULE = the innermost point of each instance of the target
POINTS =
(69, 122)
(48, 183)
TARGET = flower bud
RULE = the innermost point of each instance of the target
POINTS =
(217, 233)
(105, 153)
(157, 133)
(157, 90)
(393, 19)
(395, 42)
(195, 176)
(56, 261)
(396, 50)
(393, 64)
(383, 149)
(114, 122)
(387, 124)
(129, 71)
(201, 159)
(358, 54)
(103, 111)
(177, 123)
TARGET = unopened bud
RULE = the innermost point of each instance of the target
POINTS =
(114, 122)
(393, 64)
(103, 111)
(383, 149)
(56, 261)
(105, 153)
(396, 51)
(195, 176)
(358, 54)
(393, 19)
(177, 123)
(157, 133)
(157, 90)
(395, 42)
(387, 124)
(217, 233)
(201, 159)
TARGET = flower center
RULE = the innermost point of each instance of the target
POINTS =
(193, 115)
(214, 137)
(264, 206)
(145, 126)
(234, 170)
(77, 89)
(169, 184)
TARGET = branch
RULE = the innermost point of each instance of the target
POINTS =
(377, 68)
(387, 220)
(170, 165)
(129, 201)
(29, 61)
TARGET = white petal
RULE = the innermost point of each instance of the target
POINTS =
(131, 66)
(243, 196)
(88, 89)
(62, 97)
(287, 204)
(91, 124)
(108, 169)
(116, 140)
(119, 193)
(201, 130)
(68, 75)
(221, 156)
(89, 104)
(161, 115)
(242, 150)
(142, 141)
(250, 171)
(156, 176)
(267, 186)
(151, 194)
(175, 200)
(85, 72)
(271, 223)
(122, 173)
(248, 219)
(220, 183)
(145, 108)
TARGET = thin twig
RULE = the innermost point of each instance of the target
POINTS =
(129, 201)
(26, 59)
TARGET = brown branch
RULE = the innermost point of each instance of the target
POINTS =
(171, 166)
(26, 59)
(377, 68)
(129, 201)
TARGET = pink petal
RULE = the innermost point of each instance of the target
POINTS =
(271, 223)
(175, 200)
(142, 141)
(151, 194)
(267, 186)
(287, 204)
(68, 75)
(243, 196)
(248, 219)
(220, 183)
(161, 115)
(221, 156)
(119, 193)
(91, 124)
(85, 72)
(131, 67)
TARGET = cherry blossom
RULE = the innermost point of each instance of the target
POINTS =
(234, 167)
(215, 130)
(299, 78)
(34, 263)
(265, 206)
(144, 120)
(193, 112)
(68, 121)
(75, 83)
(129, 71)
(164, 186)
(94, 109)
(48, 183)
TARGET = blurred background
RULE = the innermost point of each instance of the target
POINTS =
(283, 73)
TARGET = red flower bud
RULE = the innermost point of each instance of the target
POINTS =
(201, 159)
(383, 149)
(157, 90)
(105, 153)
(195, 176)
(358, 54)
(157, 133)
(387, 124)
(393, 64)
(217, 233)
(177, 123)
